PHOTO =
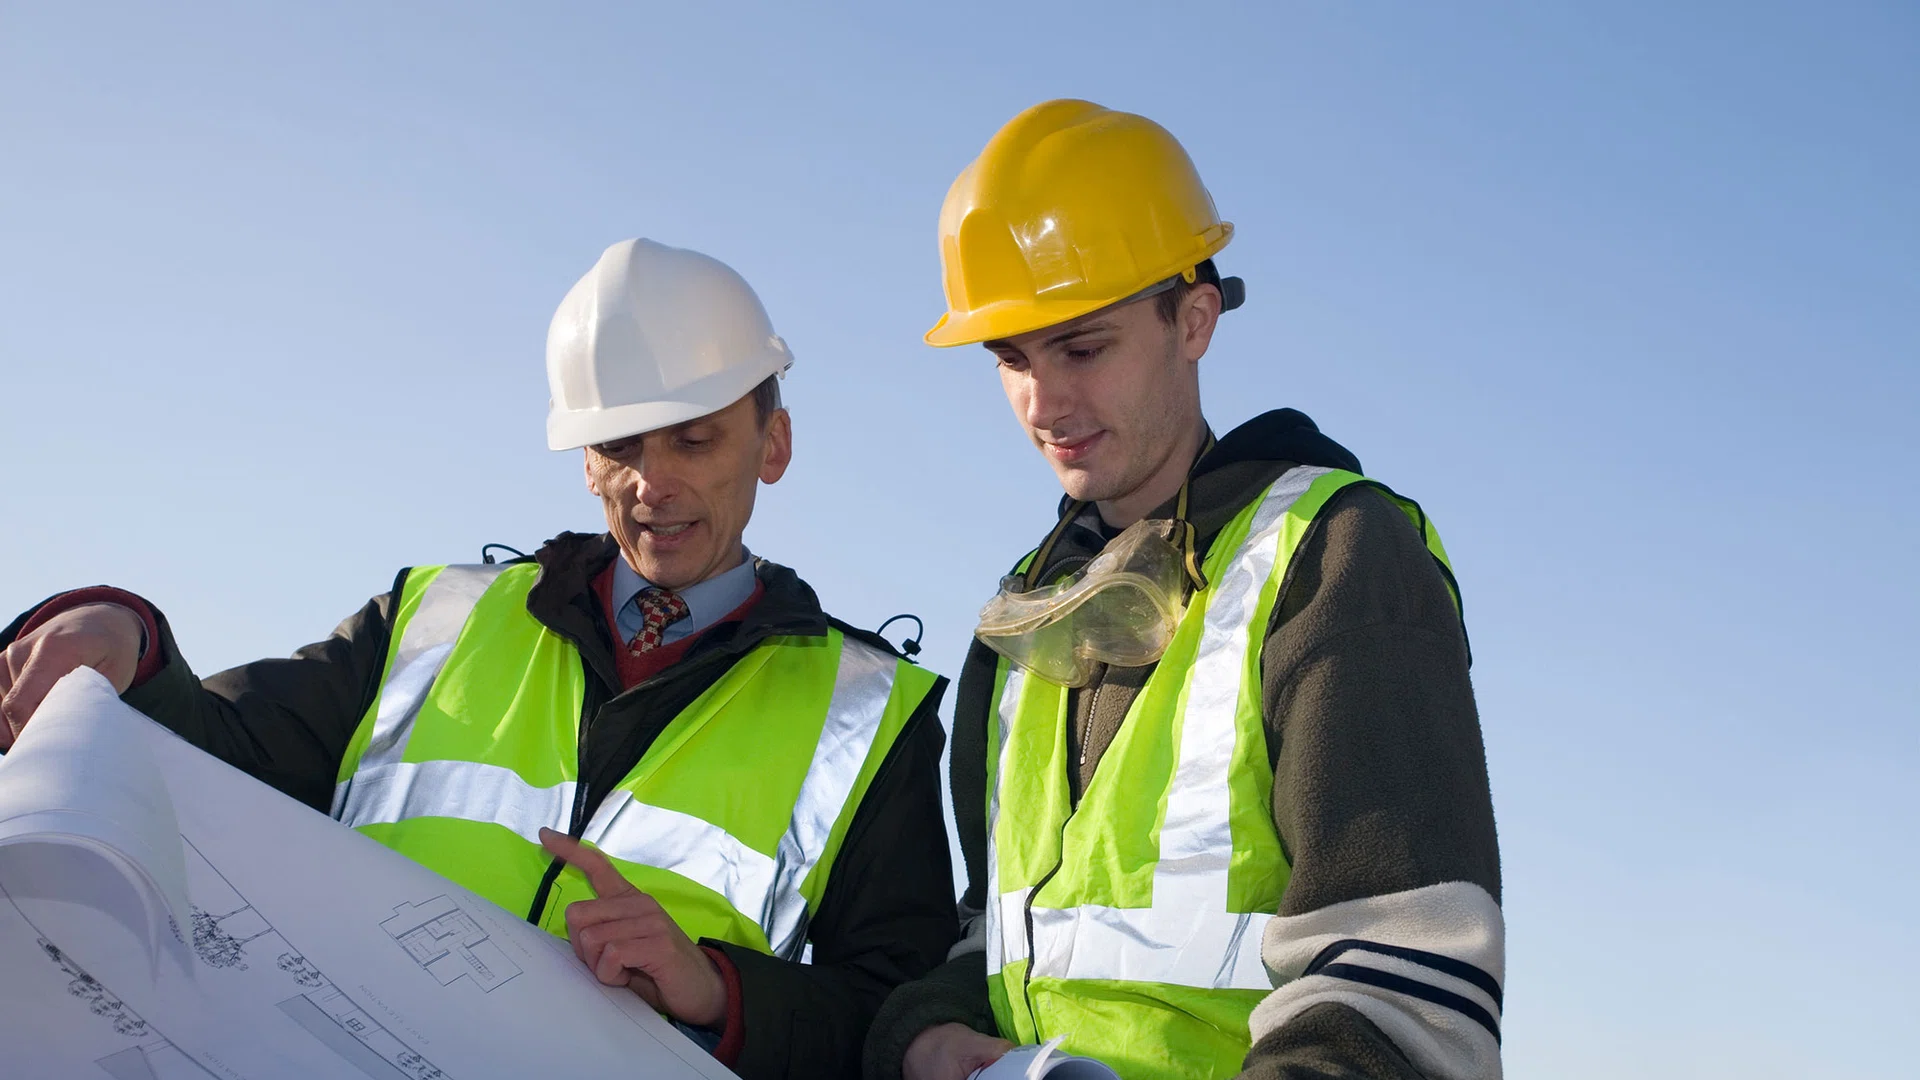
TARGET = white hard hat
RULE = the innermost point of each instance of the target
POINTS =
(653, 336)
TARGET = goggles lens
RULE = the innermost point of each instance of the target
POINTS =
(1120, 609)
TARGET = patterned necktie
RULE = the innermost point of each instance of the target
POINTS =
(659, 609)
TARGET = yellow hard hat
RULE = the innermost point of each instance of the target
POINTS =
(1071, 207)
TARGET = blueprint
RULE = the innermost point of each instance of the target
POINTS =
(164, 916)
(449, 944)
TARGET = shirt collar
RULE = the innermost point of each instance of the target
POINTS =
(706, 601)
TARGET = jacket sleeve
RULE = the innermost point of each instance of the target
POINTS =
(956, 991)
(284, 722)
(886, 917)
(1388, 951)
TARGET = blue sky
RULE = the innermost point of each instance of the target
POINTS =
(1627, 295)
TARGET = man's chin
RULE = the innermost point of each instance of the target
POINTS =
(1083, 484)
(670, 574)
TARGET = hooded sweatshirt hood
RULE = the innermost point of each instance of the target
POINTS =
(1239, 466)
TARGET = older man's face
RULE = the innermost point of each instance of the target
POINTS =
(678, 499)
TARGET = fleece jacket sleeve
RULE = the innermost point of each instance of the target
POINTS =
(956, 991)
(1388, 949)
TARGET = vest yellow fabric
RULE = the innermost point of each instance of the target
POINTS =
(1131, 924)
(731, 818)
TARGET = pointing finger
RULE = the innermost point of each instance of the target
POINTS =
(601, 874)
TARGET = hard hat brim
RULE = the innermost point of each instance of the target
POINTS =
(571, 429)
(1005, 320)
(1013, 317)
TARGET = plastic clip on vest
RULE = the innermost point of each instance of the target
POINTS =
(1132, 925)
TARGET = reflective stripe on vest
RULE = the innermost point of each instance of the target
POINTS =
(424, 647)
(767, 889)
(1166, 874)
(1188, 937)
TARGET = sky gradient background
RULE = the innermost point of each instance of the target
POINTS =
(1628, 296)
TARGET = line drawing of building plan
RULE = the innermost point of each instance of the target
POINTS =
(169, 917)
(164, 916)
(42, 988)
(242, 938)
(449, 944)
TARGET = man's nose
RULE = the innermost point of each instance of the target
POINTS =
(1049, 399)
(655, 481)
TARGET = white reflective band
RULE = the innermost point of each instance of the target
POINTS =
(1007, 928)
(861, 688)
(425, 645)
(1196, 834)
(1179, 946)
(764, 888)
(681, 843)
(1211, 950)
(467, 790)
(623, 827)
(1000, 947)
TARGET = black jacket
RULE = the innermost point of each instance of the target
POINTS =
(887, 914)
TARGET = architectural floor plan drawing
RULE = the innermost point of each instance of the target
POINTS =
(449, 943)
(149, 1057)
(243, 940)
(328, 1015)
(164, 916)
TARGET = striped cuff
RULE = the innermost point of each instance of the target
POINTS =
(1425, 965)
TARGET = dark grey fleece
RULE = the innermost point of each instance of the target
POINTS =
(1380, 781)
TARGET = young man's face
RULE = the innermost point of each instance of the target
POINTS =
(678, 499)
(1108, 398)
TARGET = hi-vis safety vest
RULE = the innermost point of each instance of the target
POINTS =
(731, 819)
(1131, 925)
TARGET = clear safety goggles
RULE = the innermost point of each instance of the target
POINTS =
(1120, 609)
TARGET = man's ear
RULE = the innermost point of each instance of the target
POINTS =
(1199, 314)
(777, 447)
(593, 485)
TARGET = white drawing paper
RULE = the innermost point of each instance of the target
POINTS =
(1044, 1062)
(164, 916)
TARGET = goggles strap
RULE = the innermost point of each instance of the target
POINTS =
(1039, 562)
(1189, 544)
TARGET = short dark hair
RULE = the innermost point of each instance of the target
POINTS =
(1168, 303)
(766, 399)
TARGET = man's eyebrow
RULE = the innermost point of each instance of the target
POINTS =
(1000, 344)
(1065, 336)
(670, 429)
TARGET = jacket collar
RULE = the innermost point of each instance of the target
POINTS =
(562, 599)
(1222, 482)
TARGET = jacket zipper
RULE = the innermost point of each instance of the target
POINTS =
(1026, 977)
(1086, 733)
(1055, 573)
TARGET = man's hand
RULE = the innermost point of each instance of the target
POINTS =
(950, 1052)
(104, 637)
(625, 939)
